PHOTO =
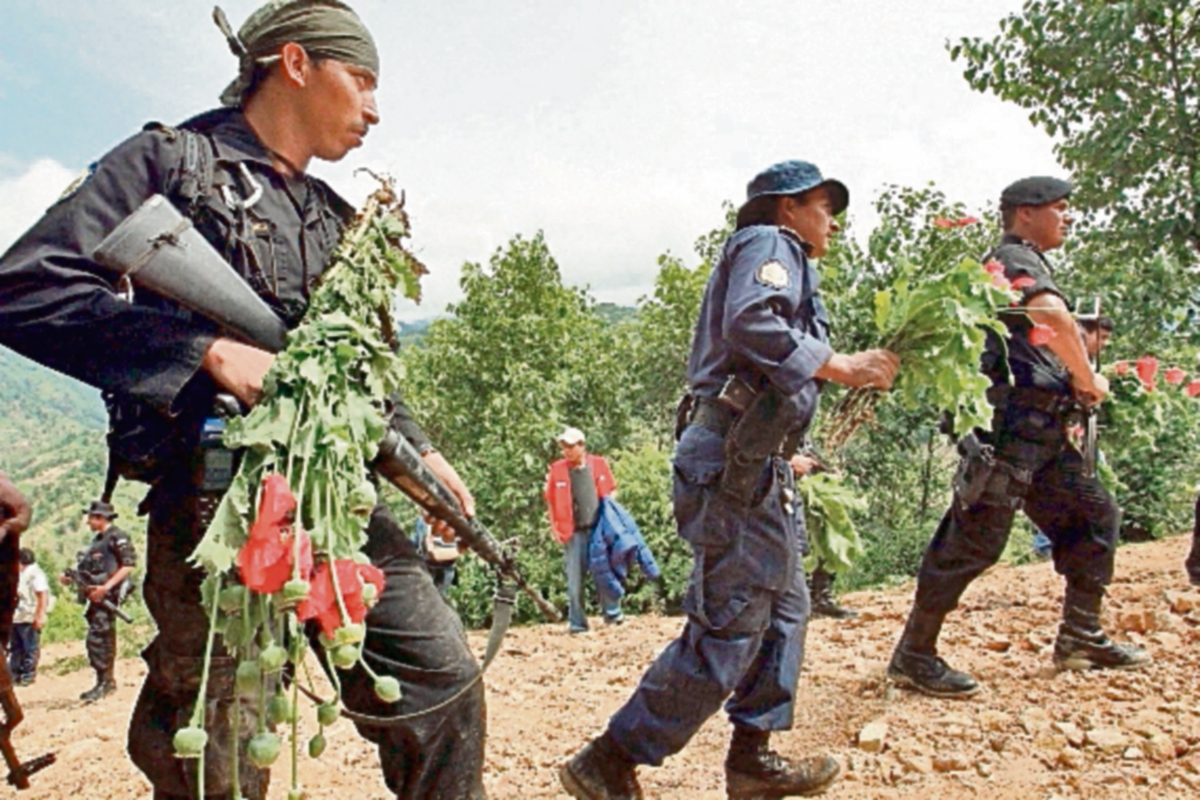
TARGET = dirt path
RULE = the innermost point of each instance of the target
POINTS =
(1029, 734)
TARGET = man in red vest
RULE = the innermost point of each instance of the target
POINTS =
(574, 488)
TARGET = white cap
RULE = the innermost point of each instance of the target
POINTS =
(571, 436)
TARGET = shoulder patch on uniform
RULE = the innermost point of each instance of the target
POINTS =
(774, 274)
(77, 184)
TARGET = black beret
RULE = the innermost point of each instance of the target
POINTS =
(1035, 192)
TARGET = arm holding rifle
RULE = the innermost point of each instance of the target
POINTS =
(98, 592)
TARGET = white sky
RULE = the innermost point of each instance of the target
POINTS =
(616, 127)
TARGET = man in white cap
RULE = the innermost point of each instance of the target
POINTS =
(574, 487)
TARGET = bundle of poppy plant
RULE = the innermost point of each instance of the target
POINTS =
(283, 554)
(935, 317)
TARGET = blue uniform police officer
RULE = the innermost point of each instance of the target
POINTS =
(1026, 461)
(759, 357)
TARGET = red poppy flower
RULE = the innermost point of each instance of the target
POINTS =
(1193, 389)
(1174, 376)
(963, 222)
(942, 222)
(1121, 367)
(1041, 335)
(1147, 368)
(1023, 282)
(1001, 282)
(266, 561)
(994, 267)
(322, 604)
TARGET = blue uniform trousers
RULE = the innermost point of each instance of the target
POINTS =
(747, 606)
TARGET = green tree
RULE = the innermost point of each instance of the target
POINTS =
(520, 357)
(1119, 84)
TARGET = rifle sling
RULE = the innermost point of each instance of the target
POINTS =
(502, 613)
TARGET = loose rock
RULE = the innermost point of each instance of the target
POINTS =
(873, 736)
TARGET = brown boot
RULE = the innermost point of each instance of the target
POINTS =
(753, 770)
(601, 771)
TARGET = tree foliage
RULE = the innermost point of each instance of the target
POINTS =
(1119, 84)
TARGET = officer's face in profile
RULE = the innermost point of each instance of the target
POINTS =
(811, 216)
(97, 522)
(338, 108)
(1046, 225)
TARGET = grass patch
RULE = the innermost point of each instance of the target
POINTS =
(68, 664)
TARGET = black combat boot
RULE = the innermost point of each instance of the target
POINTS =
(1192, 565)
(105, 685)
(915, 663)
(753, 770)
(601, 771)
(1082, 644)
(824, 604)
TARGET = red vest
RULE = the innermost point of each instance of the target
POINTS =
(558, 493)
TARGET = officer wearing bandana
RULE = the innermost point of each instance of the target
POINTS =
(1025, 461)
(759, 358)
(304, 90)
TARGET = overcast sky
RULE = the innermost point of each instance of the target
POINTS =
(617, 127)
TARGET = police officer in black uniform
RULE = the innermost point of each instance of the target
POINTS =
(759, 358)
(102, 574)
(1025, 461)
(305, 89)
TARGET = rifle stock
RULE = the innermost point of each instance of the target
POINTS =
(158, 249)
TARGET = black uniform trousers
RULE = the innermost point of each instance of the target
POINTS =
(101, 639)
(1075, 512)
(1193, 559)
(413, 635)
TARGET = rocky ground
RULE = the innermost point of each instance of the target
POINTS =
(1031, 733)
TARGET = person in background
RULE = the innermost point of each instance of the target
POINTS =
(34, 601)
(103, 575)
(574, 487)
(441, 558)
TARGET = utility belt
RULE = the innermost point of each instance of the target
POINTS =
(756, 425)
(149, 453)
(984, 479)
(1043, 400)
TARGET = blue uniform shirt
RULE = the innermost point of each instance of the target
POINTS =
(761, 316)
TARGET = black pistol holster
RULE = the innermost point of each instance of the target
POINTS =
(758, 434)
(983, 479)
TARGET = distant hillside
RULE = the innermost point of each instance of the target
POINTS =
(613, 313)
(53, 433)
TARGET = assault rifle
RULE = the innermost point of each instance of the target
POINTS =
(157, 248)
(73, 576)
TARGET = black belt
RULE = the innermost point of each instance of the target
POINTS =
(710, 413)
(1034, 399)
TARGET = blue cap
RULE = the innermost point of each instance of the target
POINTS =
(794, 177)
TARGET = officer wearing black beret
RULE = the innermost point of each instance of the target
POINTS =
(759, 358)
(305, 90)
(1042, 379)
